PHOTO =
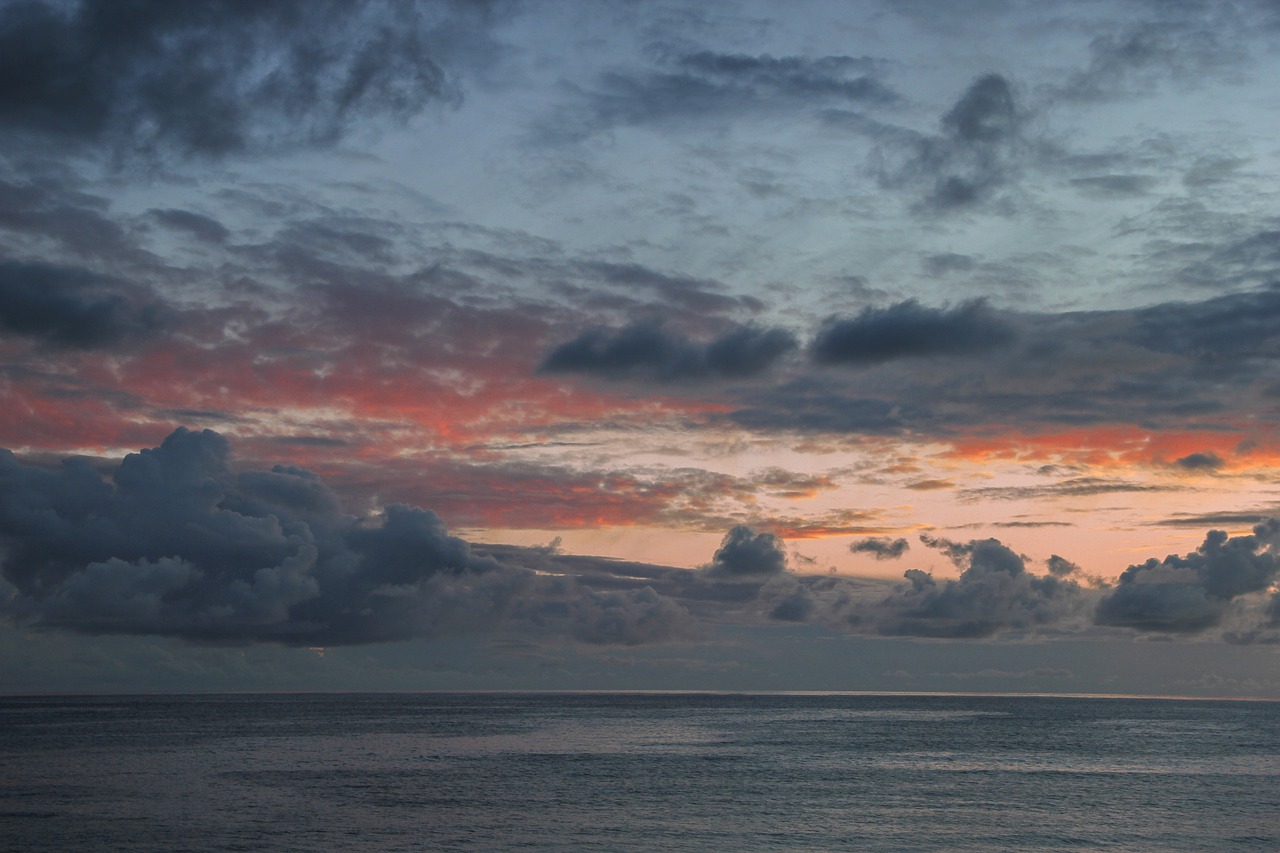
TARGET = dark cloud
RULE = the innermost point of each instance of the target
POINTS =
(746, 554)
(1200, 462)
(704, 85)
(174, 541)
(196, 225)
(1061, 567)
(70, 307)
(653, 352)
(881, 547)
(216, 77)
(910, 330)
(54, 213)
(940, 371)
(1237, 326)
(979, 150)
(1190, 593)
(994, 593)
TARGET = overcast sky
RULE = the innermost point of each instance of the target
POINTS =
(913, 345)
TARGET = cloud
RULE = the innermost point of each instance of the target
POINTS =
(70, 307)
(1072, 487)
(1061, 567)
(1136, 59)
(196, 225)
(704, 85)
(882, 548)
(212, 78)
(1230, 331)
(979, 150)
(910, 330)
(174, 541)
(1200, 462)
(703, 297)
(651, 351)
(745, 554)
(994, 593)
(1190, 593)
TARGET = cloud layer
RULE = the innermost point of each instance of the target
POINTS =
(176, 542)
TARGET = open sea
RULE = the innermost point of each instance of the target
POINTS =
(637, 771)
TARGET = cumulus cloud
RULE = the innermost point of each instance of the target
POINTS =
(881, 547)
(216, 77)
(910, 330)
(1190, 593)
(174, 541)
(653, 352)
(994, 593)
(745, 554)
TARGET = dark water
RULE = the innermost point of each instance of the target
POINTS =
(616, 772)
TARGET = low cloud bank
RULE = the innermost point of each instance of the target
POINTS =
(174, 542)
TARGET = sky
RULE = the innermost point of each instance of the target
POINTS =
(728, 345)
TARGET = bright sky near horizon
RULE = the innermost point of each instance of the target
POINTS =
(668, 344)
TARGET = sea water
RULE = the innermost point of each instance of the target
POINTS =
(631, 772)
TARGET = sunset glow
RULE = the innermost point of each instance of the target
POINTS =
(595, 325)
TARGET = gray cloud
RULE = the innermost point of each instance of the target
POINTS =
(677, 292)
(197, 225)
(175, 542)
(1061, 567)
(651, 351)
(910, 330)
(881, 547)
(216, 77)
(979, 150)
(1190, 593)
(746, 554)
(1140, 57)
(1200, 462)
(70, 307)
(994, 593)
(705, 85)
(937, 371)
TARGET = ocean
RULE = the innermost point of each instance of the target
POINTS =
(637, 771)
